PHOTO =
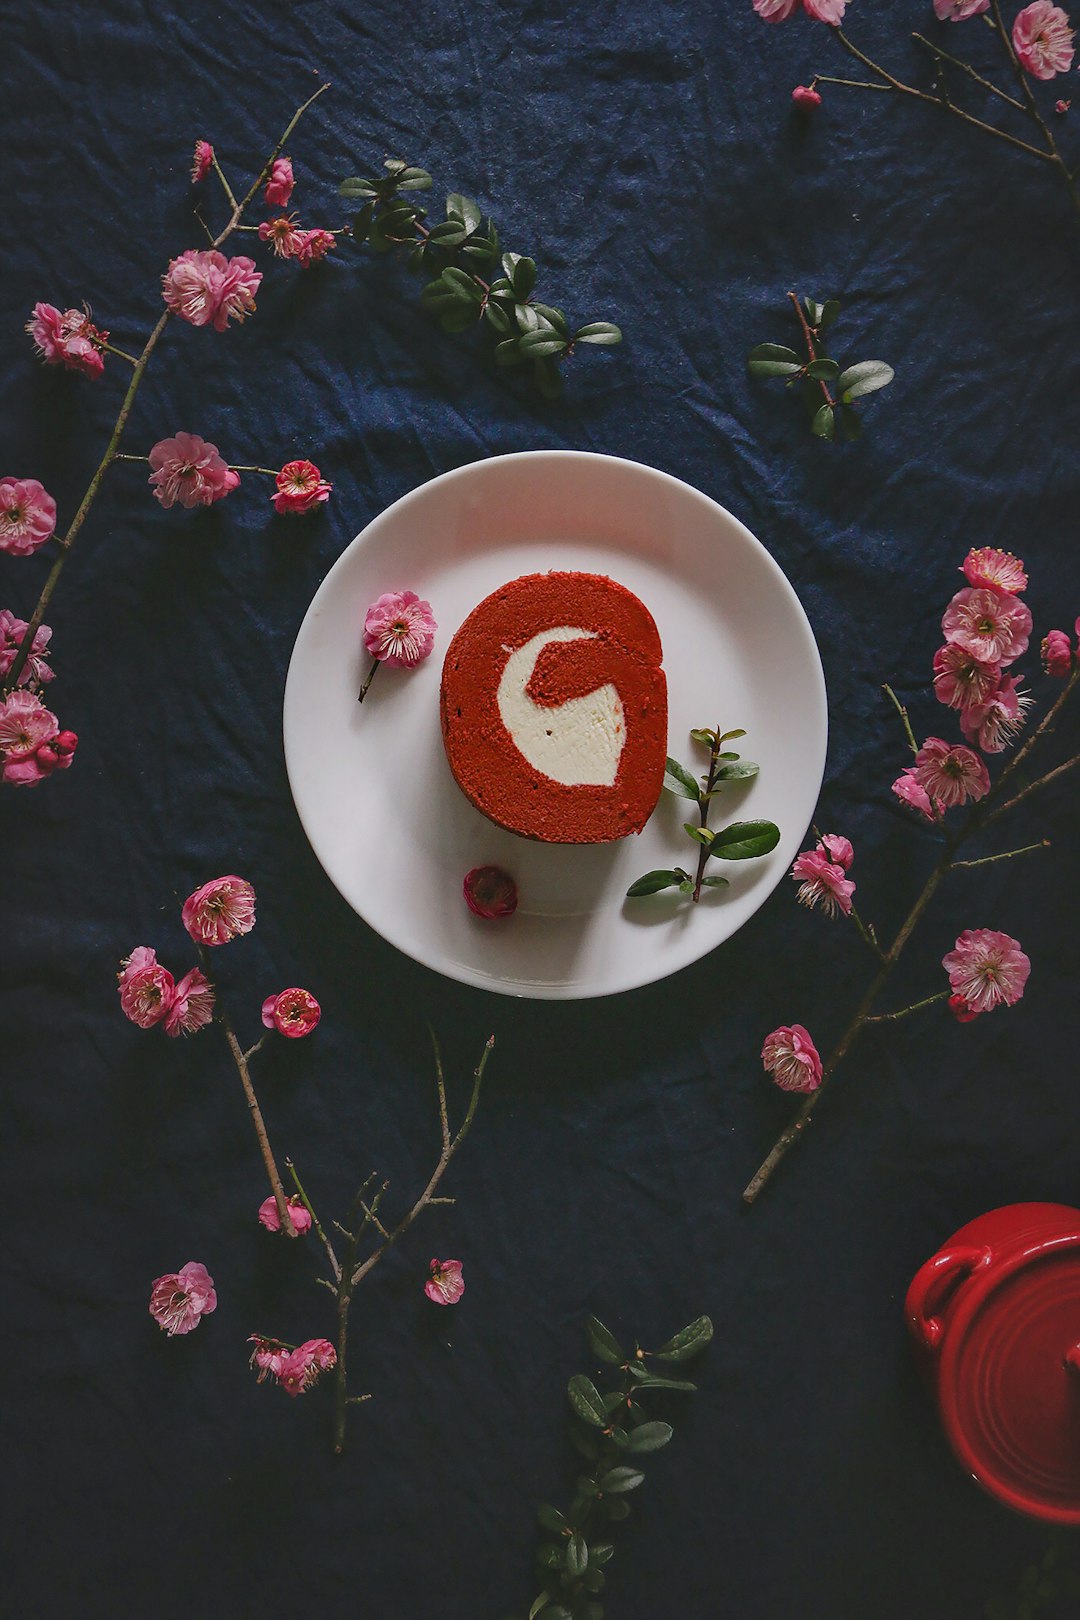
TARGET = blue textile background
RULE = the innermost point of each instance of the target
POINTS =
(650, 158)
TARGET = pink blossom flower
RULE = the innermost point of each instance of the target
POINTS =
(279, 188)
(828, 11)
(146, 988)
(950, 773)
(27, 515)
(180, 1299)
(1061, 107)
(910, 791)
(490, 892)
(301, 1368)
(993, 725)
(298, 1214)
(998, 569)
(960, 1010)
(990, 624)
(300, 488)
(959, 10)
(1056, 654)
(12, 631)
(205, 288)
(68, 339)
(292, 1012)
(399, 629)
(268, 1356)
(219, 911)
(284, 236)
(961, 679)
(821, 881)
(792, 1059)
(314, 245)
(445, 1285)
(987, 969)
(32, 745)
(191, 1005)
(804, 95)
(201, 161)
(190, 470)
(838, 848)
(1043, 40)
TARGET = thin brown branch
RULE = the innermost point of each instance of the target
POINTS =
(273, 1174)
(903, 1012)
(946, 56)
(902, 712)
(1005, 855)
(323, 1239)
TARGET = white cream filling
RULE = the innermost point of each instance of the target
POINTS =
(578, 743)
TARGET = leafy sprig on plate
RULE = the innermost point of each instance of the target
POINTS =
(738, 841)
(827, 390)
(471, 280)
(614, 1433)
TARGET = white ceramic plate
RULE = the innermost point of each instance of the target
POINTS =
(371, 783)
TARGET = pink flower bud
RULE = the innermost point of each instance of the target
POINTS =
(804, 95)
(47, 758)
(293, 1012)
(490, 892)
(201, 160)
(66, 742)
(961, 1011)
(1057, 654)
(1062, 107)
(279, 187)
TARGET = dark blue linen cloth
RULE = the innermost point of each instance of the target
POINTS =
(650, 158)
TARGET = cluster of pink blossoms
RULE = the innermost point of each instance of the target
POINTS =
(986, 970)
(68, 338)
(289, 241)
(1057, 652)
(32, 745)
(822, 875)
(205, 288)
(27, 516)
(987, 627)
(149, 994)
(180, 1299)
(36, 668)
(295, 1370)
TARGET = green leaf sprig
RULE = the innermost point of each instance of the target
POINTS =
(738, 841)
(827, 390)
(457, 256)
(614, 1433)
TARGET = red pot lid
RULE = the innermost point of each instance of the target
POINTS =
(1009, 1381)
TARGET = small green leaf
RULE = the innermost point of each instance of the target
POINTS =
(745, 840)
(714, 883)
(772, 368)
(522, 275)
(703, 736)
(537, 344)
(823, 426)
(773, 351)
(527, 318)
(577, 1554)
(688, 1342)
(395, 166)
(507, 353)
(549, 1555)
(602, 1342)
(648, 1437)
(618, 1480)
(729, 736)
(552, 1519)
(601, 1552)
(449, 234)
(652, 883)
(864, 378)
(829, 313)
(362, 222)
(702, 835)
(538, 1604)
(462, 284)
(616, 1508)
(814, 311)
(498, 318)
(822, 370)
(554, 317)
(598, 332)
(586, 1401)
(740, 770)
(463, 209)
(677, 779)
(358, 187)
(612, 1398)
(595, 1579)
(648, 1380)
(414, 180)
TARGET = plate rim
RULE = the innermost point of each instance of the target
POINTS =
(460, 972)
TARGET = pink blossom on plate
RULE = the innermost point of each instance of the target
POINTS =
(993, 725)
(986, 565)
(445, 1284)
(950, 773)
(292, 1012)
(961, 679)
(1043, 40)
(490, 892)
(399, 629)
(12, 631)
(283, 234)
(146, 988)
(987, 969)
(191, 1005)
(205, 288)
(822, 883)
(910, 791)
(202, 159)
(219, 911)
(279, 187)
(300, 488)
(1056, 654)
(299, 1215)
(181, 1298)
(189, 470)
(990, 624)
(314, 245)
(27, 515)
(791, 1058)
(804, 95)
(959, 10)
(68, 338)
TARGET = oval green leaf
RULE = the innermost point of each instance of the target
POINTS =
(677, 779)
(577, 1554)
(652, 883)
(745, 840)
(586, 1400)
(618, 1480)
(864, 378)
(602, 1342)
(689, 1342)
(648, 1437)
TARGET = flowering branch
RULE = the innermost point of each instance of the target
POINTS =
(818, 370)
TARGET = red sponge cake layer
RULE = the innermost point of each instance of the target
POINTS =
(554, 709)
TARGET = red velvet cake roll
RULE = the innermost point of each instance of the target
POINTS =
(554, 709)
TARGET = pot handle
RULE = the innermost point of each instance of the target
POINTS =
(928, 1283)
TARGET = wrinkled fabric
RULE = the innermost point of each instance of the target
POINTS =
(650, 158)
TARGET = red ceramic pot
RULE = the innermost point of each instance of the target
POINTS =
(996, 1317)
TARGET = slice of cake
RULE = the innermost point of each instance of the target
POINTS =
(554, 709)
